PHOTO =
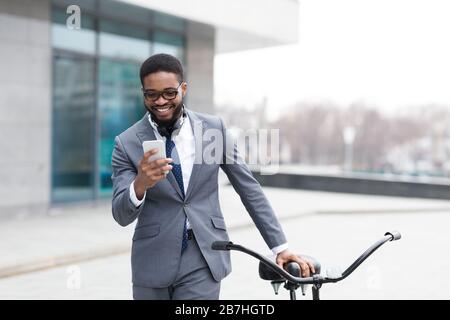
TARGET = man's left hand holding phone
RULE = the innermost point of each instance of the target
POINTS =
(153, 167)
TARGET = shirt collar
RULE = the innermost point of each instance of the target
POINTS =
(155, 129)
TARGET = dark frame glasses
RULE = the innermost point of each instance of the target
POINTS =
(168, 94)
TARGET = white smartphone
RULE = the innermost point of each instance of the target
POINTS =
(155, 144)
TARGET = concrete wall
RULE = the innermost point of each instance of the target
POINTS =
(200, 67)
(25, 105)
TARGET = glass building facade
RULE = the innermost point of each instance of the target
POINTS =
(96, 88)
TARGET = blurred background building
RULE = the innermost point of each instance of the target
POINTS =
(66, 93)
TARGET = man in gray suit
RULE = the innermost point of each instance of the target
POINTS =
(175, 199)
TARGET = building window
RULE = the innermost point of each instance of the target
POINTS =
(121, 105)
(164, 42)
(166, 22)
(73, 119)
(123, 42)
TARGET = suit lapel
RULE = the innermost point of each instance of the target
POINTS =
(145, 132)
(198, 127)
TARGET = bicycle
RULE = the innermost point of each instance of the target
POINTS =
(292, 280)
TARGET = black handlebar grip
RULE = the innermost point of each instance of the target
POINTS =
(221, 245)
(394, 234)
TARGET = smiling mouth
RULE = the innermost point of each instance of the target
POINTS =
(162, 110)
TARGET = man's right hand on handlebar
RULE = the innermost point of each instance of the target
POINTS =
(150, 173)
(287, 256)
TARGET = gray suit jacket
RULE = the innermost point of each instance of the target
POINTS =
(157, 238)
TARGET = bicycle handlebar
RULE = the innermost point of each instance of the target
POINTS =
(315, 279)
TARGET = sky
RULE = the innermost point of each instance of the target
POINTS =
(390, 54)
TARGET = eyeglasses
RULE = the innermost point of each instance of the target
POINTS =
(168, 94)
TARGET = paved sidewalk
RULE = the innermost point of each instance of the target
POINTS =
(334, 239)
(87, 232)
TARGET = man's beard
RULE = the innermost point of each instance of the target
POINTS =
(167, 123)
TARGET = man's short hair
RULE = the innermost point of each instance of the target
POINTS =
(161, 62)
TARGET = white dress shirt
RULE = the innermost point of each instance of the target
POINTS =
(185, 144)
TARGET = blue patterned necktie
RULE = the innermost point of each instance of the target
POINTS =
(176, 170)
